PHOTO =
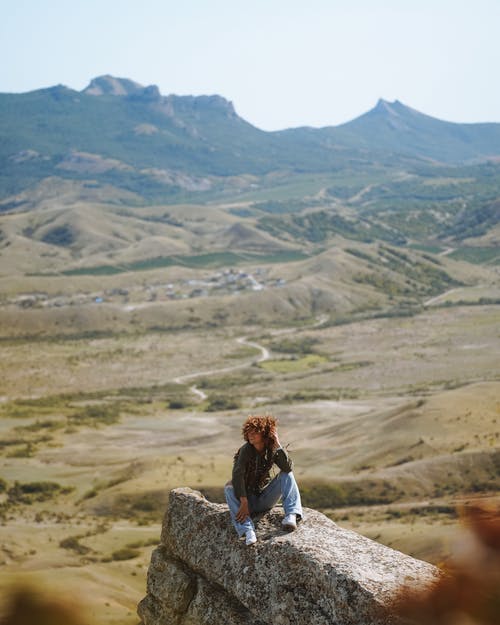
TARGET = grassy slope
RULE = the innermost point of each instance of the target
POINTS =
(385, 405)
(60, 225)
(400, 407)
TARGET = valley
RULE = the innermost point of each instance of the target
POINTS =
(167, 269)
(393, 423)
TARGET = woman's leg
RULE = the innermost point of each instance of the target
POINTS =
(234, 505)
(283, 487)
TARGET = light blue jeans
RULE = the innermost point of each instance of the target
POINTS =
(283, 487)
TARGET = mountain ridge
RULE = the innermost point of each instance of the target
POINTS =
(119, 120)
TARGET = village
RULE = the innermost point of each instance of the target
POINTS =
(228, 281)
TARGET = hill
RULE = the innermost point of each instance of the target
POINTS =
(394, 127)
(120, 133)
(165, 267)
(134, 137)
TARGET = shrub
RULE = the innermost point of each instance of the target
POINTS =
(295, 346)
(72, 543)
(126, 553)
(322, 495)
(46, 424)
(22, 452)
(319, 494)
(177, 403)
(90, 494)
(222, 402)
(106, 414)
(31, 492)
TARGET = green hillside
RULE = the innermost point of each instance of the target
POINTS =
(118, 177)
(394, 127)
(142, 130)
(118, 132)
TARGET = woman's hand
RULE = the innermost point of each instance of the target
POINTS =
(243, 511)
(274, 441)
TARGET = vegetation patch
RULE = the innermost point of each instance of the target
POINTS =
(26, 451)
(13, 442)
(279, 207)
(222, 402)
(233, 380)
(300, 346)
(199, 261)
(63, 236)
(93, 415)
(331, 394)
(319, 226)
(245, 351)
(146, 506)
(69, 412)
(179, 403)
(382, 282)
(362, 255)
(73, 544)
(45, 425)
(125, 553)
(28, 408)
(431, 279)
(293, 365)
(322, 494)
(351, 366)
(477, 255)
(31, 492)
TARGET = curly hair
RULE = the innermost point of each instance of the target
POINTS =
(261, 424)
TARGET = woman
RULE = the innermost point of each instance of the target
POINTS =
(252, 490)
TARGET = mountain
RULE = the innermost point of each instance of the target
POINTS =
(394, 127)
(121, 133)
(118, 177)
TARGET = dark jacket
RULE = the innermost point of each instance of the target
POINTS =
(251, 470)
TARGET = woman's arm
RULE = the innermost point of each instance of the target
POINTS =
(238, 478)
(280, 455)
(243, 511)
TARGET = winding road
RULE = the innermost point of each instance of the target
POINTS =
(242, 340)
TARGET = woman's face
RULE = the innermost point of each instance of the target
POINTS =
(256, 439)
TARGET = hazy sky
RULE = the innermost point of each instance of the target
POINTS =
(282, 63)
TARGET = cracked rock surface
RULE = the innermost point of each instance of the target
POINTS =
(321, 574)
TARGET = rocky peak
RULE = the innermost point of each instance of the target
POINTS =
(389, 108)
(213, 103)
(320, 574)
(109, 85)
(394, 109)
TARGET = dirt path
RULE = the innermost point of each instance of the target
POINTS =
(265, 355)
(447, 251)
(359, 194)
(433, 300)
(242, 340)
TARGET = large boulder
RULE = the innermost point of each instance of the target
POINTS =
(320, 574)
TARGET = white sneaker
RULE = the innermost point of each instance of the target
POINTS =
(289, 523)
(251, 538)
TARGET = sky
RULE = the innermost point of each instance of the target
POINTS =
(282, 63)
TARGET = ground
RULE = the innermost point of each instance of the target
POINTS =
(393, 424)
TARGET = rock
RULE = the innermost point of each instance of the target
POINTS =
(320, 574)
(110, 85)
(174, 585)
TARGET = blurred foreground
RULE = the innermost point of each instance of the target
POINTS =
(469, 593)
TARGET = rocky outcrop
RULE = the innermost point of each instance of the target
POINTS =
(321, 574)
(110, 85)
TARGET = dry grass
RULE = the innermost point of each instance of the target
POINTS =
(401, 414)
